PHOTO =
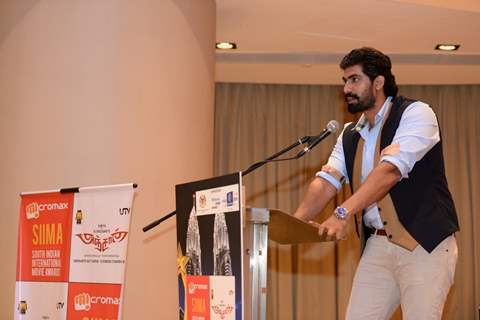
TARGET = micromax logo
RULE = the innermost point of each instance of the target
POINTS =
(84, 301)
(33, 209)
(53, 206)
(192, 287)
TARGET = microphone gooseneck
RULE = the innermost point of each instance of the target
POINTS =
(332, 126)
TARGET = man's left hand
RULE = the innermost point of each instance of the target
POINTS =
(334, 228)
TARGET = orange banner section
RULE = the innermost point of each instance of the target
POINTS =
(93, 301)
(44, 236)
(198, 298)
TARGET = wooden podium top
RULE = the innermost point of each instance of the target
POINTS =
(286, 229)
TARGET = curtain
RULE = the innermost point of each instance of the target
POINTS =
(313, 281)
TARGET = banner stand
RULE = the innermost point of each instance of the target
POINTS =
(72, 250)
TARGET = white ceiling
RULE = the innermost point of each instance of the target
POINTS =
(285, 41)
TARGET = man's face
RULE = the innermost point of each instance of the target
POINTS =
(358, 90)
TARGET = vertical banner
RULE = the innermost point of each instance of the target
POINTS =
(209, 249)
(72, 251)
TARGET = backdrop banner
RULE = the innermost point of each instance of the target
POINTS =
(72, 249)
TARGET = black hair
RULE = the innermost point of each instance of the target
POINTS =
(374, 63)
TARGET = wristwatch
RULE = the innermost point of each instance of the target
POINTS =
(341, 213)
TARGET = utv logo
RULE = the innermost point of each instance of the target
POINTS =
(102, 244)
(124, 211)
(84, 301)
(60, 305)
(32, 210)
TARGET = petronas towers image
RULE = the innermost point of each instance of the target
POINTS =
(194, 253)
(222, 265)
(221, 248)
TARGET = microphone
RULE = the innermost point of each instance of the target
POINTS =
(332, 126)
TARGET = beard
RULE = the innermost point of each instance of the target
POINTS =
(361, 105)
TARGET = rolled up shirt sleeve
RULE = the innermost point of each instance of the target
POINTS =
(417, 133)
(335, 170)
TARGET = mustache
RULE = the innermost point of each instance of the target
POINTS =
(351, 95)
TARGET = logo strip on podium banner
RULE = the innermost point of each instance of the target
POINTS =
(72, 249)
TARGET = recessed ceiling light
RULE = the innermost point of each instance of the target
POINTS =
(447, 47)
(226, 45)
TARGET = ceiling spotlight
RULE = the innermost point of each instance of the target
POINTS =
(447, 47)
(226, 45)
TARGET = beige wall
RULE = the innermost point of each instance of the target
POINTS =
(101, 92)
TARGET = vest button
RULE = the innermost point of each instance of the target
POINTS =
(384, 223)
(390, 236)
(379, 209)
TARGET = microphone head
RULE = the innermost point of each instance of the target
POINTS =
(333, 126)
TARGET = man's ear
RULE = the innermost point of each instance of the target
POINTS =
(379, 82)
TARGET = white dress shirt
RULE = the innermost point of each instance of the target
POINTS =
(417, 133)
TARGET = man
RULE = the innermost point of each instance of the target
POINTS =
(404, 213)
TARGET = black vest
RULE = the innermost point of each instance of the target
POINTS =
(423, 202)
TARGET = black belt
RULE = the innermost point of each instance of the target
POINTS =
(377, 232)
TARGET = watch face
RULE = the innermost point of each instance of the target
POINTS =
(341, 212)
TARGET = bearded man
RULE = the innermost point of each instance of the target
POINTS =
(404, 214)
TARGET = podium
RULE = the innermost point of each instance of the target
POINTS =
(222, 249)
(262, 224)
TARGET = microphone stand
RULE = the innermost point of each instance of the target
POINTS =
(157, 222)
(259, 164)
(256, 165)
